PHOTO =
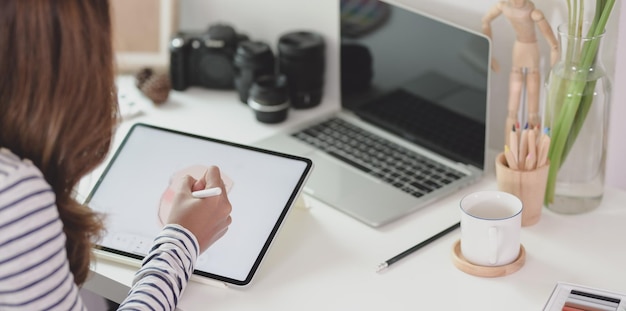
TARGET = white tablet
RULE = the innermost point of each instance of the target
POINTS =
(134, 192)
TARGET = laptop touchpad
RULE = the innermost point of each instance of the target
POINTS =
(338, 185)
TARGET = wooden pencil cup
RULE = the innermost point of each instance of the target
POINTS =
(528, 186)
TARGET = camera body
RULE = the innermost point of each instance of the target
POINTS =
(204, 59)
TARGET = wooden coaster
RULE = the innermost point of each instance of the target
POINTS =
(484, 271)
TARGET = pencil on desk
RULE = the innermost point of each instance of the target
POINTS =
(407, 252)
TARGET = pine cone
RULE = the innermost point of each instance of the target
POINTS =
(142, 76)
(155, 86)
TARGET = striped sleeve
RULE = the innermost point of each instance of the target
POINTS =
(34, 271)
(165, 271)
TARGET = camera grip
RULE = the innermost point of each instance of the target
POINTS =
(177, 68)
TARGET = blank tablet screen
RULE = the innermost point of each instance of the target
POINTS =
(134, 193)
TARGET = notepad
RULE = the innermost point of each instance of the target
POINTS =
(575, 297)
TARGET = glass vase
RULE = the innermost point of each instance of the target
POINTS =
(576, 116)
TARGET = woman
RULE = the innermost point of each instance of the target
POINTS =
(58, 111)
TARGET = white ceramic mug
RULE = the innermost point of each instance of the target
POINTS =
(491, 222)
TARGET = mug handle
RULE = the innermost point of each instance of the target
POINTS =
(493, 245)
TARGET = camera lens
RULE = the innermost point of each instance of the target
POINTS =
(252, 60)
(302, 61)
(268, 98)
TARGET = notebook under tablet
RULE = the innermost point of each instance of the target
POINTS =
(411, 128)
(134, 192)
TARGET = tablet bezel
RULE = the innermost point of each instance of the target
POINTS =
(295, 192)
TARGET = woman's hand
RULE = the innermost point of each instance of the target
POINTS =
(207, 218)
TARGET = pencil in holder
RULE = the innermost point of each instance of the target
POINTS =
(529, 186)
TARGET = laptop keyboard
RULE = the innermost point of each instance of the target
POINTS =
(430, 124)
(398, 166)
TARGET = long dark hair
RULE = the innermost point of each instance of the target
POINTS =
(58, 106)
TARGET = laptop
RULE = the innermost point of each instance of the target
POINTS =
(412, 123)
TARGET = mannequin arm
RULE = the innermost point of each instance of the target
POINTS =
(492, 14)
(546, 30)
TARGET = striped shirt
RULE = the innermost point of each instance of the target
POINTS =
(34, 270)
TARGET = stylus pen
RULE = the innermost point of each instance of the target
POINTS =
(391, 261)
(205, 193)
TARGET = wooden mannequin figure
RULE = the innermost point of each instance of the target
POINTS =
(523, 16)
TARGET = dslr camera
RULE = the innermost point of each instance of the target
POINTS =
(204, 59)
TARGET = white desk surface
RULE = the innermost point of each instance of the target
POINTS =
(325, 260)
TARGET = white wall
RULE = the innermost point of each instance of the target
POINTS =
(616, 166)
(267, 20)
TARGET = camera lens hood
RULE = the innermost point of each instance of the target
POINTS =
(301, 44)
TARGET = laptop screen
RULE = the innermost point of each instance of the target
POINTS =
(420, 78)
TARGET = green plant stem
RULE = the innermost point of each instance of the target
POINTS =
(574, 107)
(579, 119)
(560, 133)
